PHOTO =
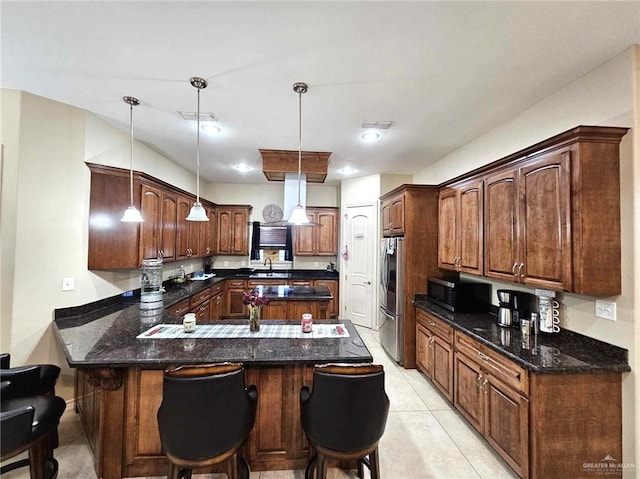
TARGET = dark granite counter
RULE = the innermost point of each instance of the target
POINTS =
(110, 341)
(294, 293)
(565, 352)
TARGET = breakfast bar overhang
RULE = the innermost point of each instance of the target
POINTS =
(119, 384)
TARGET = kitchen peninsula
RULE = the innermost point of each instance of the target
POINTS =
(119, 382)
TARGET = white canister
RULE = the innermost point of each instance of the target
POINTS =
(307, 323)
(189, 322)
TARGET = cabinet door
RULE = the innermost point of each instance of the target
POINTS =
(240, 243)
(507, 424)
(151, 210)
(544, 220)
(296, 309)
(168, 230)
(386, 218)
(203, 312)
(304, 244)
(470, 228)
(235, 308)
(333, 286)
(468, 396)
(423, 350)
(274, 310)
(500, 233)
(447, 229)
(180, 308)
(327, 234)
(217, 305)
(442, 366)
(182, 228)
(232, 231)
(397, 215)
(225, 232)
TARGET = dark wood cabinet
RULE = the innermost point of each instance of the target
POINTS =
(434, 351)
(393, 208)
(333, 285)
(419, 206)
(318, 240)
(181, 308)
(235, 289)
(527, 222)
(460, 238)
(158, 231)
(232, 230)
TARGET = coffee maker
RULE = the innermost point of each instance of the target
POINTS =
(513, 306)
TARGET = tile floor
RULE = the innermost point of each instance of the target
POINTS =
(425, 437)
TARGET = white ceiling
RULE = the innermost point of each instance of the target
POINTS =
(443, 72)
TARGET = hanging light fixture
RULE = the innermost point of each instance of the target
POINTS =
(197, 212)
(131, 214)
(299, 214)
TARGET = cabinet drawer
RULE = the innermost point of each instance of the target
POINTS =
(436, 326)
(493, 363)
(236, 283)
(216, 289)
(180, 308)
(200, 297)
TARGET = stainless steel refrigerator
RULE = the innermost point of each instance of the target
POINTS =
(391, 310)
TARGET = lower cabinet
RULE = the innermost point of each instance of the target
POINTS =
(542, 425)
(333, 306)
(235, 296)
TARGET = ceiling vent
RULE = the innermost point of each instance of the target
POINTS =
(378, 125)
(192, 116)
(276, 163)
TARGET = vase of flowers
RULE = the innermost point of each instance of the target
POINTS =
(254, 302)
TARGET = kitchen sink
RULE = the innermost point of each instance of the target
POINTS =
(267, 274)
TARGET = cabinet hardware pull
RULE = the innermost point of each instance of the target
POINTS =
(520, 270)
(484, 385)
(482, 355)
(478, 379)
(513, 268)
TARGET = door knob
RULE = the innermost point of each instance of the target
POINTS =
(367, 282)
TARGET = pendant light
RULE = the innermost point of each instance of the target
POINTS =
(197, 212)
(131, 214)
(299, 214)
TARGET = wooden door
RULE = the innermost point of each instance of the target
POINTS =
(470, 228)
(423, 349)
(544, 222)
(239, 241)
(168, 229)
(500, 233)
(507, 424)
(182, 228)
(327, 234)
(442, 366)
(151, 207)
(447, 229)
(468, 397)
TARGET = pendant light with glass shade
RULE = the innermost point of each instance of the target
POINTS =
(131, 214)
(197, 212)
(299, 214)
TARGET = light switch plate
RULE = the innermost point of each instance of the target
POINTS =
(67, 284)
(606, 310)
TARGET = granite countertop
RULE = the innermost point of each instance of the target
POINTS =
(565, 352)
(110, 341)
(294, 293)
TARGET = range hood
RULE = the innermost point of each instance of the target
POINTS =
(277, 163)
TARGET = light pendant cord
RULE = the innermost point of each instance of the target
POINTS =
(131, 151)
(198, 150)
(299, 142)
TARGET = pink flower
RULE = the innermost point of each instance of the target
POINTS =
(253, 298)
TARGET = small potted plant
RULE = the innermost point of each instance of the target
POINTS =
(254, 302)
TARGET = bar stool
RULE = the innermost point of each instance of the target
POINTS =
(29, 422)
(205, 418)
(345, 415)
(49, 374)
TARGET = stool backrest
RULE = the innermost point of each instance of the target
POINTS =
(23, 381)
(348, 406)
(205, 410)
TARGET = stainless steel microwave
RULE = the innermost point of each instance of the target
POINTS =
(459, 296)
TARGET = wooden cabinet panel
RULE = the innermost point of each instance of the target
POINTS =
(317, 240)
(468, 397)
(235, 308)
(442, 366)
(333, 307)
(158, 231)
(423, 358)
(182, 228)
(275, 310)
(500, 234)
(232, 232)
(506, 426)
(180, 308)
(471, 231)
(217, 307)
(393, 215)
(448, 233)
(434, 351)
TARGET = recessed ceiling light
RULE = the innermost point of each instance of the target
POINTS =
(347, 170)
(243, 168)
(211, 128)
(370, 136)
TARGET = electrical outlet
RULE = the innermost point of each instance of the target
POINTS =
(606, 310)
(67, 284)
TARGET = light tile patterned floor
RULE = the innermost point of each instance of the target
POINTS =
(425, 437)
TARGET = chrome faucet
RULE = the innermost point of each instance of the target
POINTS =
(270, 265)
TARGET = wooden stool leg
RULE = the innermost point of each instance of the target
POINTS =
(173, 471)
(322, 466)
(37, 455)
(232, 467)
(374, 464)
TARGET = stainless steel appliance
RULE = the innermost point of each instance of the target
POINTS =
(513, 306)
(391, 310)
(459, 296)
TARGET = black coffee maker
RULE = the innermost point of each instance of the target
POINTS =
(513, 306)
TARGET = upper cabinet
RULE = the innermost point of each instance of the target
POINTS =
(393, 215)
(165, 232)
(460, 232)
(551, 215)
(319, 240)
(232, 230)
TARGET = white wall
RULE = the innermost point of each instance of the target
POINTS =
(604, 97)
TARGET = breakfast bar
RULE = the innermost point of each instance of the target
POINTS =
(120, 356)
